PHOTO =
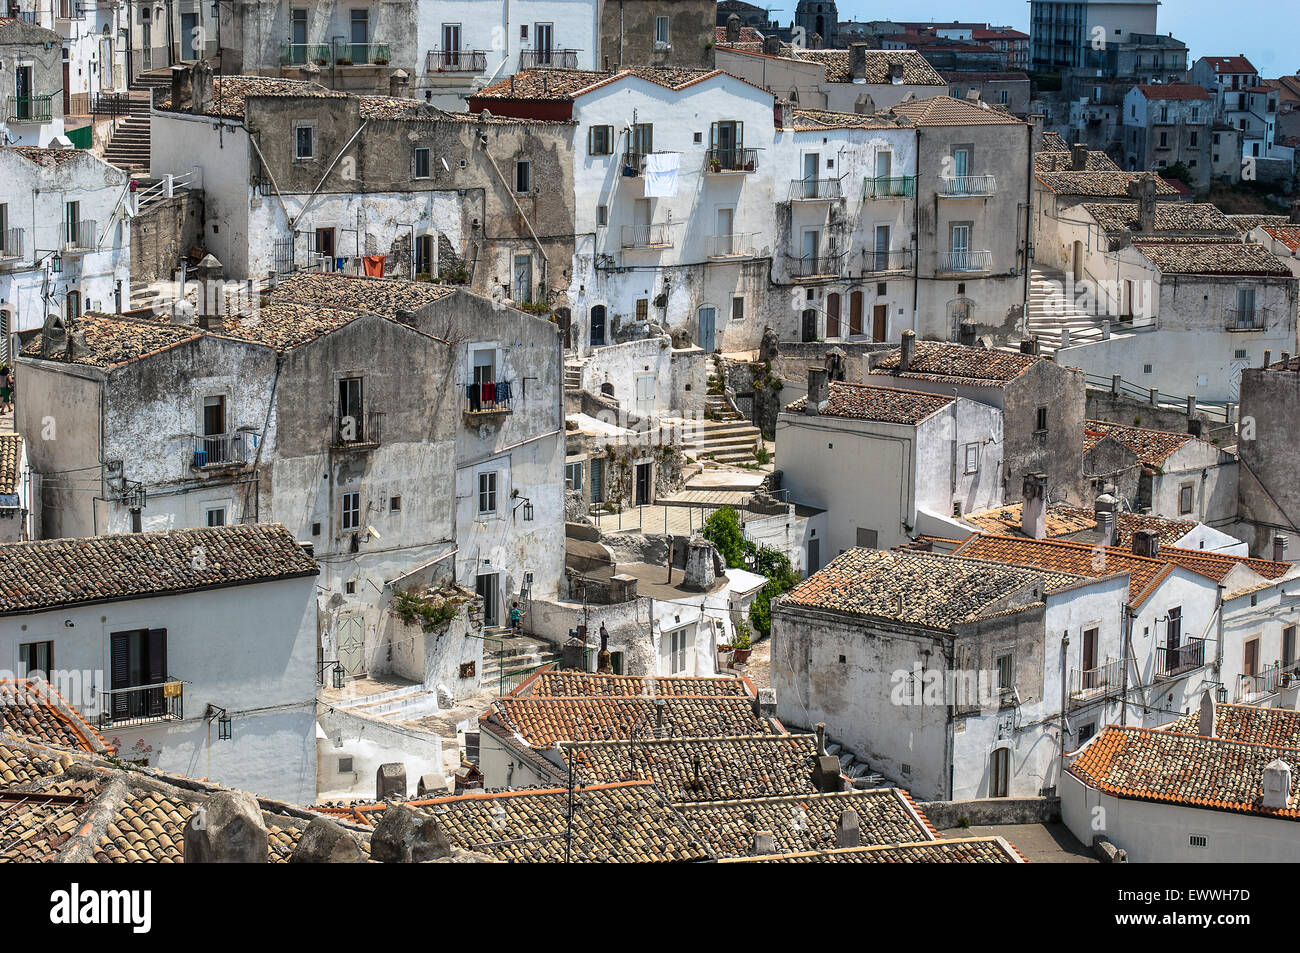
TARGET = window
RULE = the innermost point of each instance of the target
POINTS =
(216, 516)
(866, 538)
(394, 504)
(421, 170)
(1198, 840)
(345, 765)
(642, 309)
(1040, 421)
(1288, 647)
(350, 587)
(1086, 732)
(661, 31)
(1245, 307)
(305, 141)
(523, 176)
(351, 511)
(523, 278)
(424, 254)
(1186, 497)
(602, 216)
(487, 492)
(1192, 140)
(351, 422)
(1250, 657)
(138, 659)
(35, 657)
(1006, 672)
(573, 475)
(600, 140)
(737, 308)
(678, 644)
(972, 457)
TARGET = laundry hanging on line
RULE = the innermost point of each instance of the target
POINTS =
(661, 174)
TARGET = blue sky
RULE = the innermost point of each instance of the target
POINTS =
(1268, 36)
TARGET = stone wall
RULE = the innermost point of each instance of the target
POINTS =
(164, 234)
(992, 811)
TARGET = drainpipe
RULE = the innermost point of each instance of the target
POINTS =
(1218, 653)
(1065, 697)
(916, 230)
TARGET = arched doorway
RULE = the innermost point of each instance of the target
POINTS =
(809, 330)
(597, 326)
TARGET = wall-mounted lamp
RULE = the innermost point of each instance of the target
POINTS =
(526, 503)
(223, 720)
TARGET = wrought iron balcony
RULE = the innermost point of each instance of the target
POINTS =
(893, 259)
(1100, 680)
(1267, 681)
(29, 108)
(357, 431)
(647, 236)
(11, 244)
(815, 190)
(222, 450)
(79, 236)
(1180, 658)
(455, 61)
(555, 59)
(720, 161)
(140, 704)
(960, 262)
(962, 186)
(889, 187)
(735, 245)
(300, 54)
(816, 266)
(490, 397)
(360, 54)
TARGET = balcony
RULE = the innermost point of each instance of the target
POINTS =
(1267, 681)
(815, 190)
(647, 236)
(894, 259)
(489, 398)
(29, 108)
(300, 54)
(889, 187)
(727, 161)
(360, 54)
(215, 451)
(142, 704)
(70, 10)
(11, 245)
(816, 266)
(79, 236)
(735, 245)
(967, 186)
(1102, 680)
(455, 61)
(552, 59)
(1247, 319)
(1174, 661)
(964, 262)
(356, 432)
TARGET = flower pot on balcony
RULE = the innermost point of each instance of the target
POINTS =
(200, 458)
(715, 166)
(342, 62)
(629, 171)
(740, 656)
(749, 166)
(381, 62)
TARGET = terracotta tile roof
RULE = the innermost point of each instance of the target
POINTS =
(1229, 64)
(33, 709)
(967, 850)
(46, 158)
(112, 341)
(1053, 161)
(1288, 235)
(811, 119)
(806, 822)
(1213, 258)
(1279, 727)
(572, 684)
(398, 109)
(34, 826)
(230, 93)
(1065, 520)
(1053, 142)
(540, 722)
(932, 359)
(385, 296)
(11, 457)
(702, 769)
(1077, 559)
(917, 71)
(947, 111)
(35, 576)
(564, 85)
(621, 823)
(1153, 447)
(22, 765)
(748, 34)
(883, 404)
(1217, 565)
(926, 589)
(1169, 217)
(1171, 91)
(1212, 773)
(1097, 184)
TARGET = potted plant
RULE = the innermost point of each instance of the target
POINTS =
(715, 165)
(724, 656)
(749, 165)
(742, 643)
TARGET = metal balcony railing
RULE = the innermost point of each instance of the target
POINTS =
(29, 108)
(815, 266)
(956, 262)
(11, 244)
(555, 59)
(79, 236)
(1267, 681)
(300, 54)
(489, 397)
(221, 450)
(1180, 658)
(815, 190)
(357, 431)
(70, 10)
(360, 54)
(731, 160)
(955, 186)
(139, 704)
(1247, 319)
(455, 61)
(1103, 679)
(735, 245)
(647, 236)
(889, 187)
(894, 259)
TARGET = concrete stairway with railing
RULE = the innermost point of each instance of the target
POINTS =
(508, 656)
(128, 146)
(724, 435)
(1051, 315)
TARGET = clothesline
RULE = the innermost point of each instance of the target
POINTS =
(489, 395)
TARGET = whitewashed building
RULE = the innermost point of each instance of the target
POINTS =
(31, 92)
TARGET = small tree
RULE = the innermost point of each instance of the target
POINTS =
(723, 530)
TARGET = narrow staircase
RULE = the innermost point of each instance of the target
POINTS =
(859, 771)
(128, 147)
(514, 658)
(724, 435)
(573, 375)
(1051, 315)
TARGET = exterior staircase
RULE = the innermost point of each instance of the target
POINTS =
(516, 659)
(128, 147)
(573, 376)
(723, 435)
(859, 771)
(1050, 315)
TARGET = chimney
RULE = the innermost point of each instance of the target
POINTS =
(1146, 193)
(817, 389)
(772, 45)
(765, 703)
(857, 61)
(180, 87)
(1146, 544)
(227, 828)
(54, 336)
(896, 73)
(1277, 785)
(1286, 360)
(1103, 512)
(326, 842)
(1029, 346)
(1279, 549)
(906, 351)
(699, 574)
(406, 836)
(815, 41)
(1206, 715)
(763, 845)
(848, 832)
(390, 781)
(200, 87)
(1079, 157)
(1294, 217)
(733, 28)
(1268, 358)
(966, 334)
(604, 661)
(660, 707)
(399, 84)
(1033, 506)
